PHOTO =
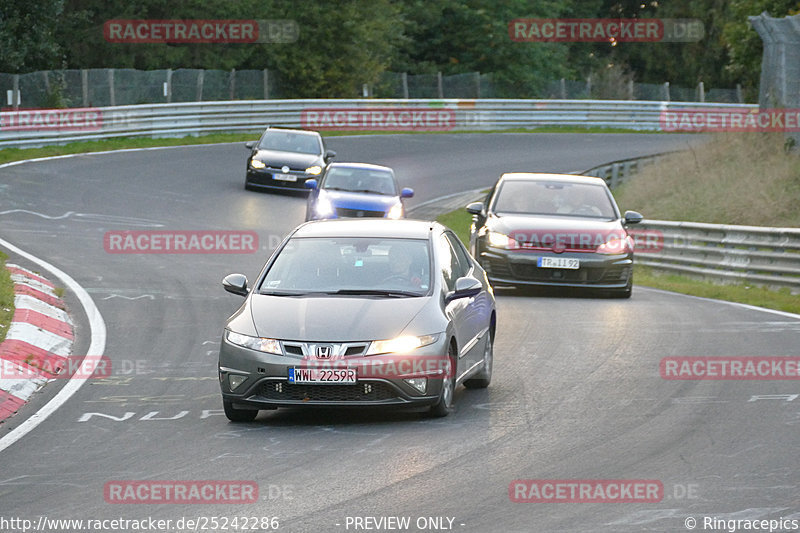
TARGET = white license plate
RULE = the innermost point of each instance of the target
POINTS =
(284, 177)
(341, 376)
(558, 262)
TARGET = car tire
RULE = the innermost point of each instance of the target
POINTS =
(238, 415)
(444, 406)
(484, 377)
(627, 291)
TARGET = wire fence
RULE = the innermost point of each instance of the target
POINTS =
(114, 87)
(780, 63)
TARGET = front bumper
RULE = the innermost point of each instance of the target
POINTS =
(507, 267)
(272, 178)
(267, 384)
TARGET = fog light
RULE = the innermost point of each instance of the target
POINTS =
(421, 384)
(235, 381)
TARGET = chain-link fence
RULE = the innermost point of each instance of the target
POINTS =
(109, 87)
(780, 63)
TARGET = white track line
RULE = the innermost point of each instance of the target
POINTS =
(96, 348)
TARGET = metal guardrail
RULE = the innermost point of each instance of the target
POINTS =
(724, 253)
(32, 128)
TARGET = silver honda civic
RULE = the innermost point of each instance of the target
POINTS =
(372, 312)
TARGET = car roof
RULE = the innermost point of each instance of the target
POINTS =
(369, 227)
(365, 166)
(290, 130)
(540, 176)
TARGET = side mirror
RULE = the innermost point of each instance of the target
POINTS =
(250, 145)
(407, 192)
(632, 217)
(476, 208)
(235, 284)
(311, 184)
(329, 154)
(466, 287)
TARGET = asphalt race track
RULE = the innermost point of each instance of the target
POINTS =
(576, 392)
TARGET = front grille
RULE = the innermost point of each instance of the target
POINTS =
(530, 272)
(357, 213)
(360, 392)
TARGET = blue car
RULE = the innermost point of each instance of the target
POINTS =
(356, 190)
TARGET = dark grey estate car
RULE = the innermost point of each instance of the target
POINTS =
(285, 159)
(554, 230)
(357, 312)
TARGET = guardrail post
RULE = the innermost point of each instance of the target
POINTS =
(563, 89)
(630, 89)
(666, 91)
(739, 95)
(232, 92)
(200, 80)
(439, 84)
(85, 87)
(477, 85)
(266, 84)
(15, 97)
(701, 91)
(112, 97)
(404, 78)
(614, 176)
(168, 86)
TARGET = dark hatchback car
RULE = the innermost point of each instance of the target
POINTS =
(355, 190)
(354, 312)
(285, 159)
(554, 230)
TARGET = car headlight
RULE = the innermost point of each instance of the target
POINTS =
(254, 343)
(314, 171)
(616, 245)
(255, 163)
(501, 240)
(324, 207)
(396, 211)
(404, 344)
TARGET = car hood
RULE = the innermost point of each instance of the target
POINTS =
(360, 200)
(333, 318)
(293, 160)
(503, 223)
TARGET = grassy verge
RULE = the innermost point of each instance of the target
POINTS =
(8, 155)
(782, 300)
(6, 297)
(742, 178)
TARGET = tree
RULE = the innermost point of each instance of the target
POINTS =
(27, 39)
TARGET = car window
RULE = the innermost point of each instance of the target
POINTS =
(289, 141)
(359, 179)
(465, 265)
(451, 266)
(350, 264)
(554, 198)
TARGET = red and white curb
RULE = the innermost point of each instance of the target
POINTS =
(38, 341)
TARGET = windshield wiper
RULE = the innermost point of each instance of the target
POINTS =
(376, 292)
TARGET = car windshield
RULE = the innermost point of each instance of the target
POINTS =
(353, 266)
(360, 180)
(289, 141)
(554, 198)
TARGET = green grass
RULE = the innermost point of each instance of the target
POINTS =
(782, 300)
(6, 297)
(8, 155)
